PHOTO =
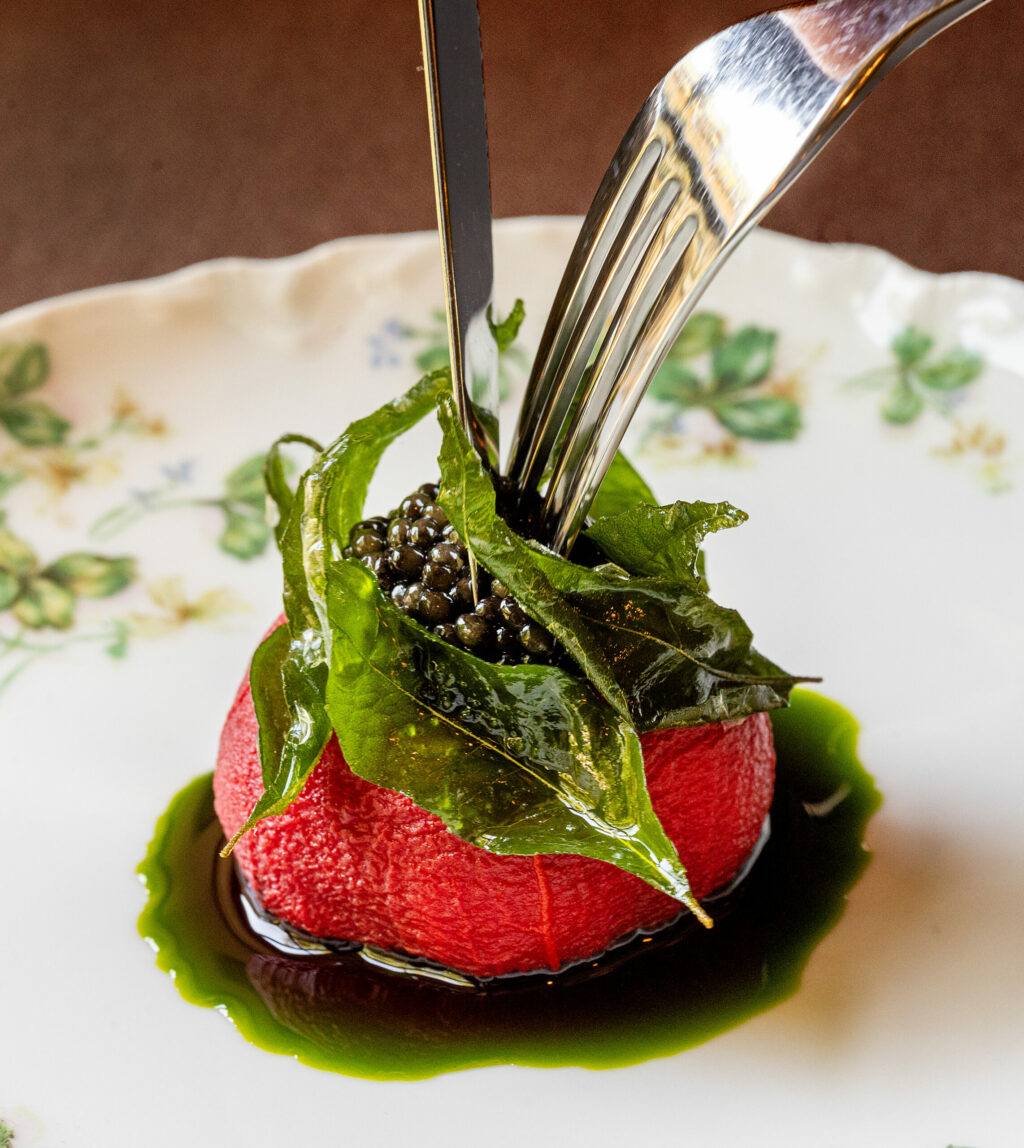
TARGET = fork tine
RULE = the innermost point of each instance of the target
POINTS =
(646, 324)
(611, 216)
(618, 272)
(734, 123)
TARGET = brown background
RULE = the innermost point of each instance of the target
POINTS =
(141, 136)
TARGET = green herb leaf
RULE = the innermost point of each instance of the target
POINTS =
(506, 331)
(702, 333)
(34, 424)
(770, 419)
(10, 588)
(91, 575)
(659, 651)
(952, 371)
(663, 541)
(516, 759)
(622, 489)
(743, 359)
(288, 691)
(276, 470)
(289, 673)
(45, 603)
(911, 345)
(16, 556)
(23, 369)
(903, 405)
(245, 534)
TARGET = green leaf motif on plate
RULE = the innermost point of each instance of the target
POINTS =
(22, 369)
(743, 359)
(44, 602)
(92, 575)
(25, 367)
(728, 374)
(917, 380)
(33, 424)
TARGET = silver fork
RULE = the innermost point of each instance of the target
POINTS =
(723, 135)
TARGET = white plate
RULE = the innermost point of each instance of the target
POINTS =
(887, 558)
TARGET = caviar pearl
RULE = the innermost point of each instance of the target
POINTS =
(423, 565)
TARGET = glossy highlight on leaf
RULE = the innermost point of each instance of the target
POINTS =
(516, 759)
(288, 675)
(663, 541)
(621, 489)
(658, 649)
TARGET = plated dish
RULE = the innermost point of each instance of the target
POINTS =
(880, 407)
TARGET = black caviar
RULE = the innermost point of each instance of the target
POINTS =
(422, 563)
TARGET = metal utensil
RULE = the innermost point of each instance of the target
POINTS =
(453, 67)
(723, 135)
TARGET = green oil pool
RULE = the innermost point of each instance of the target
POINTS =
(678, 988)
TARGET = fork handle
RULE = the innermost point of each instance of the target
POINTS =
(841, 36)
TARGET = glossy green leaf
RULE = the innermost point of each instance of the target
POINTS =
(44, 602)
(16, 556)
(506, 331)
(245, 534)
(743, 359)
(516, 759)
(911, 345)
(952, 371)
(23, 369)
(34, 424)
(659, 651)
(663, 541)
(10, 588)
(289, 684)
(621, 489)
(276, 471)
(92, 575)
(289, 672)
(773, 418)
(702, 333)
(903, 405)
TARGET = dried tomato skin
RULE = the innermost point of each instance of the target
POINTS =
(353, 861)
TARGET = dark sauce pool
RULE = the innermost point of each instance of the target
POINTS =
(654, 996)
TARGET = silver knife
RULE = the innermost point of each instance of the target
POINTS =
(453, 67)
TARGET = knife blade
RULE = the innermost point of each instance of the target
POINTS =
(453, 69)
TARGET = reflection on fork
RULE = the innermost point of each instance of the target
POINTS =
(723, 135)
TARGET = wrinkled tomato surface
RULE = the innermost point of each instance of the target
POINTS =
(353, 861)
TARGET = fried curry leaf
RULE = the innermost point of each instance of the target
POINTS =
(663, 541)
(622, 489)
(289, 671)
(516, 759)
(658, 649)
(288, 686)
